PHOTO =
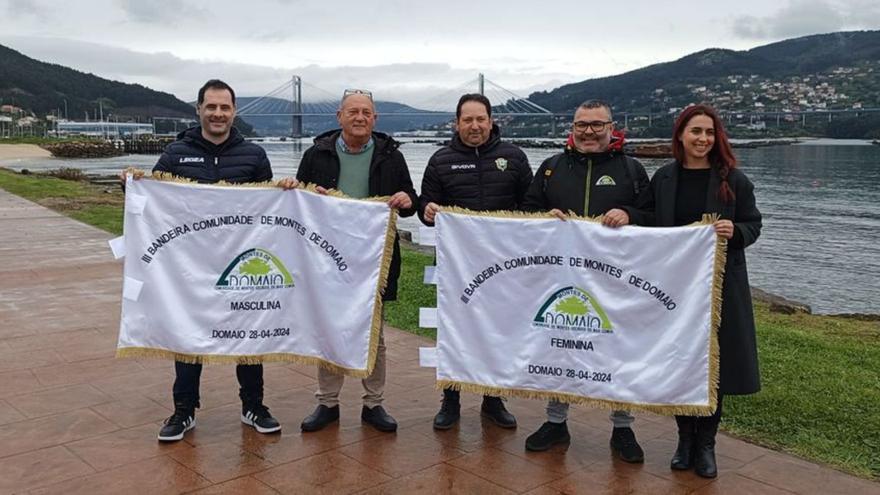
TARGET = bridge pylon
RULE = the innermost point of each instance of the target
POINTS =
(297, 118)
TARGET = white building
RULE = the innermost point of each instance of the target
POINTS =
(103, 129)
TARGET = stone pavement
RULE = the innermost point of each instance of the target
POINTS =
(74, 419)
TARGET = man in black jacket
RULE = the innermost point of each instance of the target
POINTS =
(480, 172)
(591, 177)
(211, 152)
(360, 163)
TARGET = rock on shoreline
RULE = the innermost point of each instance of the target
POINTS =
(84, 149)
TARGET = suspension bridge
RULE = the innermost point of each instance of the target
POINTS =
(297, 99)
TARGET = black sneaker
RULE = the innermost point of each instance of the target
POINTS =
(449, 414)
(493, 409)
(258, 416)
(624, 444)
(183, 420)
(548, 435)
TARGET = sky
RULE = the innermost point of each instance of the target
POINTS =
(420, 53)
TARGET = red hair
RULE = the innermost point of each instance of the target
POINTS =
(720, 156)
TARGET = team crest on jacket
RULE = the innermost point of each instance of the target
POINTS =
(501, 163)
(606, 180)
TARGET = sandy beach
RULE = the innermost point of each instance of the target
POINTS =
(17, 151)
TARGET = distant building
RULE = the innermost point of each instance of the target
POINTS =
(104, 129)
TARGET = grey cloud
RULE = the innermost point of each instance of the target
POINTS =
(21, 8)
(159, 11)
(427, 85)
(803, 17)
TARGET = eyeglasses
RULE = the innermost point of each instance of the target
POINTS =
(596, 125)
(350, 92)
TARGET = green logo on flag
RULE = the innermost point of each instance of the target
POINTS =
(573, 309)
(255, 269)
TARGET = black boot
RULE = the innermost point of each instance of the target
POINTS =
(704, 457)
(450, 410)
(684, 453)
(624, 444)
(493, 409)
(548, 435)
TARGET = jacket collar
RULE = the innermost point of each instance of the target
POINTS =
(193, 135)
(615, 147)
(494, 138)
(384, 143)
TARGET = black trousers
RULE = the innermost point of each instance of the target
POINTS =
(186, 382)
(702, 423)
(455, 395)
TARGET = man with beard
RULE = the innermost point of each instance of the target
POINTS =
(591, 177)
(477, 171)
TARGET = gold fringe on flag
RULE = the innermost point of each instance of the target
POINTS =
(720, 258)
(517, 214)
(715, 325)
(664, 409)
(375, 322)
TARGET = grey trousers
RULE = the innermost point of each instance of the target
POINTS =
(329, 383)
(557, 412)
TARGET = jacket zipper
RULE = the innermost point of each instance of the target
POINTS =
(587, 188)
(479, 177)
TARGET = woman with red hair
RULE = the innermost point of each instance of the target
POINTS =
(704, 179)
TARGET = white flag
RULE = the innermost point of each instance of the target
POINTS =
(575, 311)
(254, 274)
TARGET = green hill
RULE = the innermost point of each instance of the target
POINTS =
(42, 88)
(660, 87)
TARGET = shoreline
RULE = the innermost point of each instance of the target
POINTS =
(21, 151)
(778, 304)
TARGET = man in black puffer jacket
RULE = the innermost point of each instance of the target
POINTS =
(207, 161)
(212, 152)
(360, 163)
(480, 172)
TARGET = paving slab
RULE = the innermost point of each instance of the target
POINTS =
(74, 419)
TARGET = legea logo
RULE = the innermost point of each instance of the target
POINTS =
(255, 269)
(574, 309)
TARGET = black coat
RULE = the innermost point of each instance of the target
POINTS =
(234, 160)
(490, 177)
(560, 183)
(736, 335)
(388, 175)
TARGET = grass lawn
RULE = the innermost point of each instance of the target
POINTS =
(821, 374)
(100, 206)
